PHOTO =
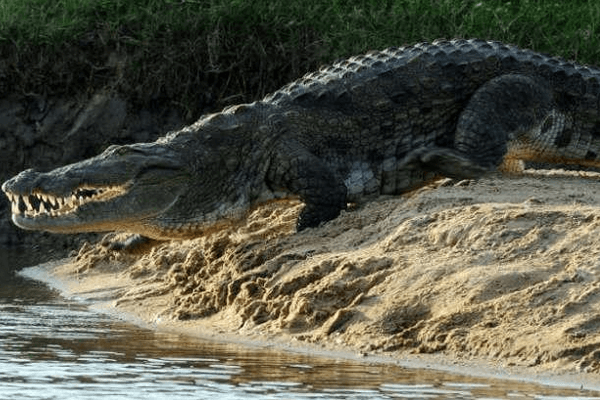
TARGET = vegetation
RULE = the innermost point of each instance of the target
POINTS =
(202, 54)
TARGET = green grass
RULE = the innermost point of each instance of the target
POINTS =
(205, 53)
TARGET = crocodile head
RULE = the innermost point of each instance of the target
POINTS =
(141, 188)
(184, 184)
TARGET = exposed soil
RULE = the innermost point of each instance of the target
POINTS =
(503, 269)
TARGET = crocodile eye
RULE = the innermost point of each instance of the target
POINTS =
(122, 150)
(115, 149)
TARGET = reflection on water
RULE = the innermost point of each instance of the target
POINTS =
(52, 348)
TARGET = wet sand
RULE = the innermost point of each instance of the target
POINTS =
(497, 277)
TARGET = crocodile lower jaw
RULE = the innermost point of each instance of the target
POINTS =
(38, 203)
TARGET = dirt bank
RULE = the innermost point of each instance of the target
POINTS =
(503, 269)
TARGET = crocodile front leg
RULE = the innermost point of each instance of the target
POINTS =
(300, 172)
(133, 244)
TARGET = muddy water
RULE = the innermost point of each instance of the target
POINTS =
(53, 348)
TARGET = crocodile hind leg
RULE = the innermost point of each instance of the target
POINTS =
(503, 115)
(437, 161)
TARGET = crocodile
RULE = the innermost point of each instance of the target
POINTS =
(381, 123)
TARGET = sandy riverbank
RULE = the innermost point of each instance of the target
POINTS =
(503, 270)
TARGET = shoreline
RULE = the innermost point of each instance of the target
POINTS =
(102, 301)
(496, 278)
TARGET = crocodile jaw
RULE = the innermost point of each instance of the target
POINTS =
(126, 188)
(48, 212)
(38, 210)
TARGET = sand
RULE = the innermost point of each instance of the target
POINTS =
(504, 270)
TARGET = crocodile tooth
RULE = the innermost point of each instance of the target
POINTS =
(15, 208)
(42, 209)
(52, 200)
(72, 201)
(60, 201)
(27, 203)
(43, 197)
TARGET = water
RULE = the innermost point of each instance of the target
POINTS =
(53, 348)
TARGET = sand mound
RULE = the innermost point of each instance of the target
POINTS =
(505, 269)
